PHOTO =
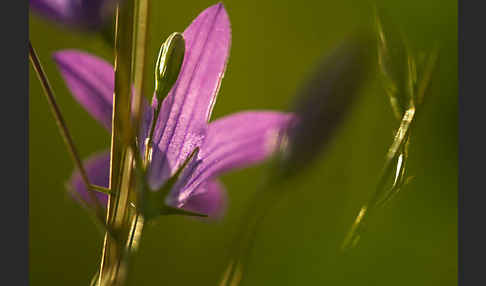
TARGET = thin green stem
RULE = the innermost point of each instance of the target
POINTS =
(399, 147)
(112, 268)
(131, 35)
(395, 149)
(259, 206)
(140, 59)
(64, 130)
(148, 142)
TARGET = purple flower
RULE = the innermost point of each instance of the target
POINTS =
(323, 103)
(80, 13)
(225, 144)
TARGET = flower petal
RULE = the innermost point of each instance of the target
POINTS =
(86, 13)
(91, 81)
(186, 110)
(211, 200)
(98, 170)
(55, 10)
(234, 141)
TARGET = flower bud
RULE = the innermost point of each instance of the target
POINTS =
(322, 104)
(169, 64)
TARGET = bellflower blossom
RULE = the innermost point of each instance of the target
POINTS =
(234, 141)
(85, 13)
(324, 101)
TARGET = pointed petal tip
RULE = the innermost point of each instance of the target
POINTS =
(61, 56)
(218, 12)
(90, 80)
(69, 57)
(216, 6)
(220, 5)
(224, 14)
(69, 54)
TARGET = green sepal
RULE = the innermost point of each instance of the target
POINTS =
(154, 201)
(177, 211)
(169, 64)
(156, 207)
(165, 189)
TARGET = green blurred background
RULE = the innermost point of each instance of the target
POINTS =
(275, 44)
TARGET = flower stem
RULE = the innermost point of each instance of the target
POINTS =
(149, 141)
(122, 215)
(260, 205)
(64, 130)
(140, 59)
(113, 266)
